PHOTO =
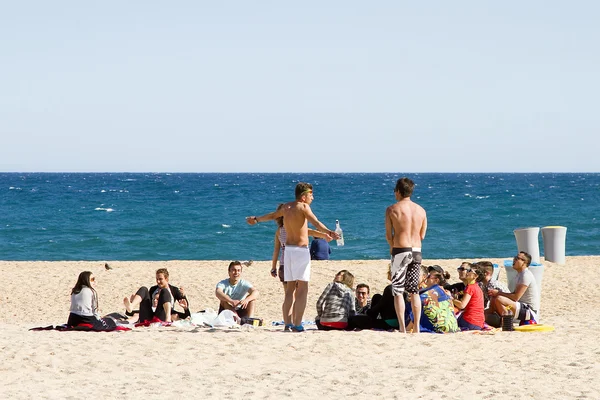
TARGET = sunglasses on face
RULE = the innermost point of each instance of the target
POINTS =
(460, 269)
(519, 258)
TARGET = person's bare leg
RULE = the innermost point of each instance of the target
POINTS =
(288, 302)
(400, 307)
(250, 309)
(131, 302)
(167, 308)
(287, 316)
(502, 303)
(299, 302)
(415, 303)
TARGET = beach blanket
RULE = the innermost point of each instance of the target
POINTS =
(80, 327)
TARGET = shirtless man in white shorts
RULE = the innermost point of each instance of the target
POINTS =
(296, 215)
(405, 227)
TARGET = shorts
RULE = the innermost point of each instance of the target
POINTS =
(241, 312)
(297, 263)
(406, 270)
(524, 312)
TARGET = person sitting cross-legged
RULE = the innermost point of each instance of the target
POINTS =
(235, 293)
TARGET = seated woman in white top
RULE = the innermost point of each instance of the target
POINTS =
(84, 305)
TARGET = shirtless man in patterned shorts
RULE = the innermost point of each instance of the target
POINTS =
(405, 227)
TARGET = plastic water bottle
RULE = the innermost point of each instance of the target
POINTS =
(507, 320)
(339, 231)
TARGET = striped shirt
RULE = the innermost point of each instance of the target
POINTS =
(282, 239)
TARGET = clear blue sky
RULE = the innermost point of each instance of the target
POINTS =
(311, 86)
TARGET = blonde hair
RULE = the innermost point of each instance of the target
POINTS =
(346, 278)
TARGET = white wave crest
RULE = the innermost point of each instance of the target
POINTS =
(226, 226)
(104, 209)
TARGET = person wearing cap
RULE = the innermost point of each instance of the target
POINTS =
(437, 315)
(236, 294)
(524, 302)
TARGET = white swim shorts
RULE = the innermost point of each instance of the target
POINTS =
(296, 261)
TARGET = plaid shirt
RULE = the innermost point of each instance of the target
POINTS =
(336, 303)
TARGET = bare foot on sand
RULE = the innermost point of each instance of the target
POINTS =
(127, 303)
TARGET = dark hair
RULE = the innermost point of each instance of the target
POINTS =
(527, 256)
(441, 277)
(405, 187)
(164, 272)
(84, 280)
(480, 273)
(466, 265)
(233, 264)
(363, 285)
(302, 188)
(485, 266)
(279, 220)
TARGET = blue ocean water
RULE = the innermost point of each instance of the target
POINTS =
(167, 216)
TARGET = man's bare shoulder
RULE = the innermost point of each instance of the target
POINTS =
(419, 208)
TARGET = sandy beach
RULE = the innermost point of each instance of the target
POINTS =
(265, 362)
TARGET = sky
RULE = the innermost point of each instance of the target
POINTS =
(311, 86)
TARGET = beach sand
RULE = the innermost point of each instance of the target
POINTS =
(265, 362)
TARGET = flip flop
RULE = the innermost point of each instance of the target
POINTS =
(288, 328)
(298, 328)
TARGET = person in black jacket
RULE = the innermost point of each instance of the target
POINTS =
(381, 315)
(159, 301)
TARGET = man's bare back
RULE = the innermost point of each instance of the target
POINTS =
(406, 224)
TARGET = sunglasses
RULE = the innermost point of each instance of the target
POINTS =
(460, 268)
(519, 258)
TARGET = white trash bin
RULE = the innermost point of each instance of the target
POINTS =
(528, 241)
(555, 238)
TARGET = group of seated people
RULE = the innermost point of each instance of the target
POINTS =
(158, 303)
(471, 304)
(477, 302)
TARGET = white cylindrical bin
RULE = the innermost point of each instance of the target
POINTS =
(555, 238)
(527, 241)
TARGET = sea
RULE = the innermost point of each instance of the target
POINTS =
(201, 216)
